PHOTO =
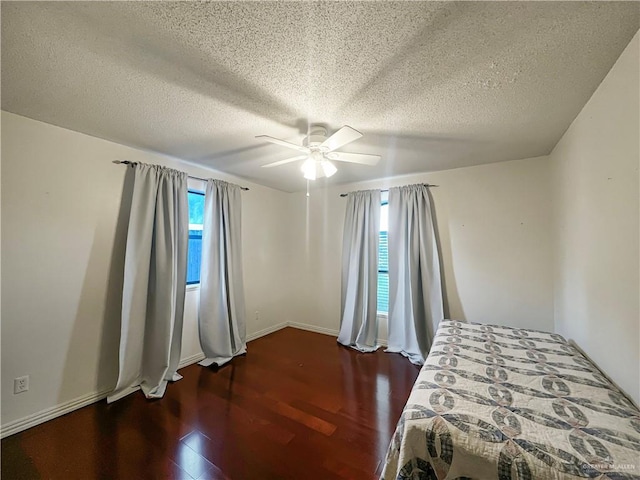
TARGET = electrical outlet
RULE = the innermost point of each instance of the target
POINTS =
(21, 384)
(257, 315)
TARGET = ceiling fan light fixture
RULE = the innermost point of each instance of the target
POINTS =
(328, 168)
(309, 169)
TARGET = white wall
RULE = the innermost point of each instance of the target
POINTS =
(494, 229)
(63, 237)
(595, 173)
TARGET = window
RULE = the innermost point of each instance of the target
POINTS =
(383, 258)
(196, 216)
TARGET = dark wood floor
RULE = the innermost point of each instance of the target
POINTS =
(297, 406)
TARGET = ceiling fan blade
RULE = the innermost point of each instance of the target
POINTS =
(282, 162)
(361, 158)
(277, 141)
(343, 136)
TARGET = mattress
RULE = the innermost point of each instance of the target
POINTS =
(494, 402)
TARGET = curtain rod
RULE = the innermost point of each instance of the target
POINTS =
(127, 162)
(423, 184)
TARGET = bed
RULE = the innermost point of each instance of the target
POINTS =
(494, 402)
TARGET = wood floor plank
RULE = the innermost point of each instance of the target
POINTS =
(297, 406)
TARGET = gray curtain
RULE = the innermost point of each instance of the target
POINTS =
(221, 318)
(154, 282)
(415, 288)
(359, 321)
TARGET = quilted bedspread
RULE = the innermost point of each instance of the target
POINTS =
(495, 402)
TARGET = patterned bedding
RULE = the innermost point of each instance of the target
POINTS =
(495, 402)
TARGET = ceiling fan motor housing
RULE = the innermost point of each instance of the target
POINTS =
(317, 135)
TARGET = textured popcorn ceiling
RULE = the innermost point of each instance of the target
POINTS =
(432, 85)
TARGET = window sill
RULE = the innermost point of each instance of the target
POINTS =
(193, 286)
(382, 315)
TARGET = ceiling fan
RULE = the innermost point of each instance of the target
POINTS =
(318, 151)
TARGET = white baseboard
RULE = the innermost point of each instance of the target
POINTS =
(51, 413)
(267, 331)
(47, 414)
(190, 360)
(314, 328)
(185, 362)
(327, 331)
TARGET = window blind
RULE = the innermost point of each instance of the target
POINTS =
(383, 273)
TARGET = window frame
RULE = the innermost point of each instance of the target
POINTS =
(379, 313)
(193, 285)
